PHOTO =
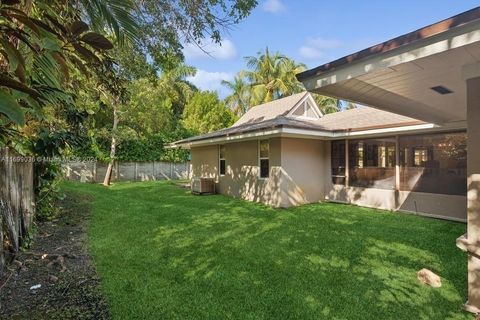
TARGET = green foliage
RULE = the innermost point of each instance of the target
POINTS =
(166, 25)
(240, 100)
(45, 46)
(175, 86)
(132, 63)
(55, 72)
(327, 104)
(150, 149)
(232, 259)
(40, 44)
(206, 113)
(47, 190)
(48, 144)
(132, 147)
(149, 109)
(10, 108)
(272, 76)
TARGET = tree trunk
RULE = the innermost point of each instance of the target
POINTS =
(108, 174)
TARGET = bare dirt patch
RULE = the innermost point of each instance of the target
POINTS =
(55, 278)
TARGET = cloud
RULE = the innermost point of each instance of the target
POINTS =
(224, 51)
(315, 48)
(206, 80)
(274, 6)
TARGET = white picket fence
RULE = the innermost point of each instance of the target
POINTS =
(127, 171)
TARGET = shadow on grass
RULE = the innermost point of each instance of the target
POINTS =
(164, 253)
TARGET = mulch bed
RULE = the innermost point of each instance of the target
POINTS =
(58, 261)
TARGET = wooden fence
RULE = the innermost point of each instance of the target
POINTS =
(127, 171)
(17, 204)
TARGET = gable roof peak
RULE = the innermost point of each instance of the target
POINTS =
(274, 109)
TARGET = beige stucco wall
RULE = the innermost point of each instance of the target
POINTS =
(444, 206)
(297, 168)
(452, 207)
(205, 162)
(300, 173)
(303, 168)
(241, 179)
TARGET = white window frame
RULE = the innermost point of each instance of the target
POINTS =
(263, 158)
(220, 160)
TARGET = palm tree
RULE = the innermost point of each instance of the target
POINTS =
(239, 99)
(272, 76)
(346, 105)
(290, 71)
(326, 104)
(176, 87)
(331, 105)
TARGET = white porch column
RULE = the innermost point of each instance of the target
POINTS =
(472, 241)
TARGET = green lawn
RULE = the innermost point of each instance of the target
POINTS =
(163, 253)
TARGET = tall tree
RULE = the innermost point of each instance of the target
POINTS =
(206, 113)
(240, 98)
(272, 76)
(173, 82)
(42, 41)
(149, 109)
(167, 25)
(331, 105)
(326, 104)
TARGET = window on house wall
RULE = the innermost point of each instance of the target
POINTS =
(434, 163)
(221, 160)
(338, 162)
(372, 163)
(420, 156)
(264, 158)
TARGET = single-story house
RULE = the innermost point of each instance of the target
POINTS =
(286, 153)
(431, 74)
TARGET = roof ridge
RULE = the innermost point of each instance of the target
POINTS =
(272, 108)
(305, 92)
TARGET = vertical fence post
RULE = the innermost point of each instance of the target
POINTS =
(135, 171)
(94, 172)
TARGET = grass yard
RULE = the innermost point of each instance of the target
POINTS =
(163, 253)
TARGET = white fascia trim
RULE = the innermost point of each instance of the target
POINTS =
(427, 127)
(343, 134)
(246, 136)
(454, 38)
(325, 135)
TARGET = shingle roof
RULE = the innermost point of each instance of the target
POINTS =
(362, 118)
(278, 122)
(270, 110)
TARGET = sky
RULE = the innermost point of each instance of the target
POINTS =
(313, 32)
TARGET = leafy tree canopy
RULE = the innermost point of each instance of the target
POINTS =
(271, 76)
(166, 25)
(206, 113)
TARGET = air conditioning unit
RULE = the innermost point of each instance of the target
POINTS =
(203, 185)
